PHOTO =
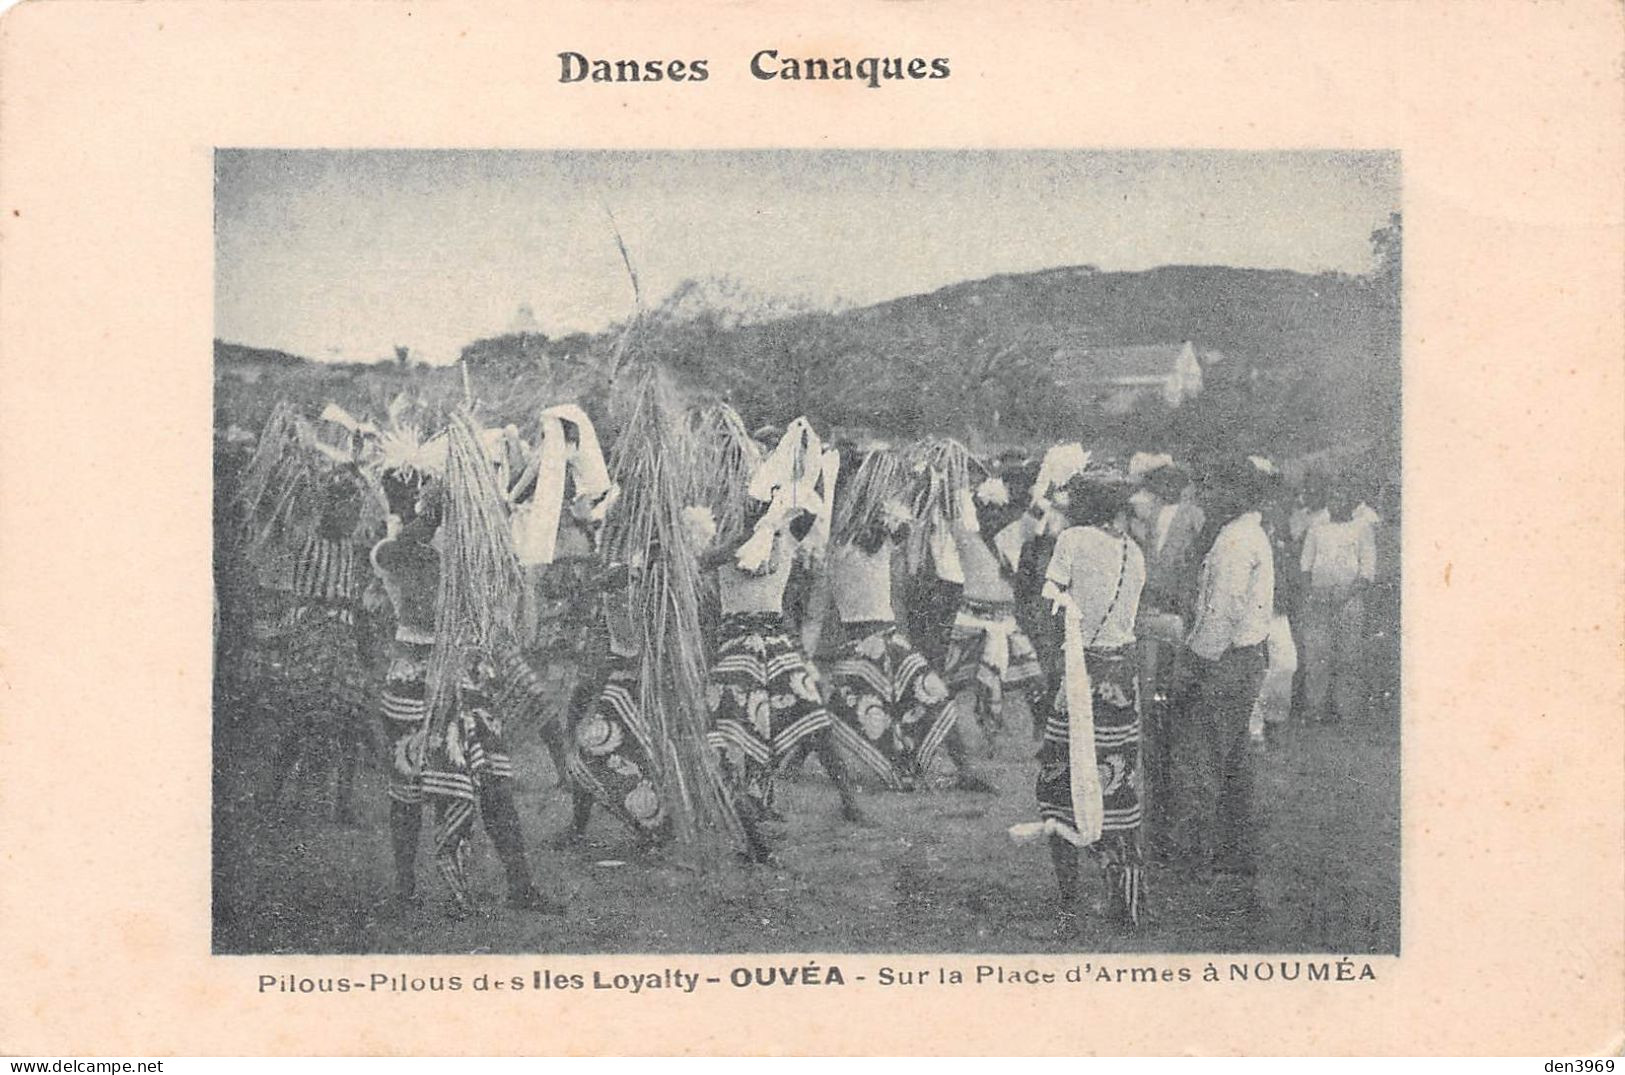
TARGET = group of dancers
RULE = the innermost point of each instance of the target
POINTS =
(869, 607)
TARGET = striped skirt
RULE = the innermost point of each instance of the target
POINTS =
(1114, 690)
(891, 709)
(469, 754)
(989, 651)
(326, 571)
(612, 752)
(762, 702)
(402, 715)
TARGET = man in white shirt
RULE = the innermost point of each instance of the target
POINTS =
(1340, 563)
(1227, 659)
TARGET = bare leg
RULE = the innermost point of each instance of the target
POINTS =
(580, 813)
(829, 756)
(967, 779)
(349, 757)
(502, 824)
(288, 753)
(405, 825)
(1065, 859)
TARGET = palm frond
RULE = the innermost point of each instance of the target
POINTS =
(480, 577)
(279, 483)
(652, 462)
(882, 478)
(722, 457)
(945, 474)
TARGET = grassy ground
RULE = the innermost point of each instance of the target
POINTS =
(935, 873)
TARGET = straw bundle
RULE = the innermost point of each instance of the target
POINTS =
(652, 462)
(278, 480)
(722, 458)
(881, 479)
(944, 468)
(480, 577)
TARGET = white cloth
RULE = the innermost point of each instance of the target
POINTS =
(535, 524)
(788, 479)
(1088, 798)
(343, 418)
(1164, 522)
(1336, 555)
(1102, 576)
(1274, 703)
(997, 632)
(1061, 464)
(1142, 463)
(793, 465)
(944, 551)
(823, 513)
(1236, 598)
(587, 464)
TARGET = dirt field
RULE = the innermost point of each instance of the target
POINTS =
(936, 873)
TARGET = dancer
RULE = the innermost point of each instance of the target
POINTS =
(892, 710)
(458, 759)
(557, 505)
(1025, 546)
(762, 698)
(325, 675)
(988, 651)
(613, 757)
(409, 569)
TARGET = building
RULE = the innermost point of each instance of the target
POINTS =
(1120, 379)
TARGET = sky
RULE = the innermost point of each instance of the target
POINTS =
(340, 255)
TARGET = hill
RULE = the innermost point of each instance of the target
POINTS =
(1309, 361)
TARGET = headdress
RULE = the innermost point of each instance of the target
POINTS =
(536, 527)
(798, 475)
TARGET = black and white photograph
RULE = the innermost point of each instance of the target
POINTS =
(806, 550)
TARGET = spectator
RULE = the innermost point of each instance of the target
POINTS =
(1339, 560)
